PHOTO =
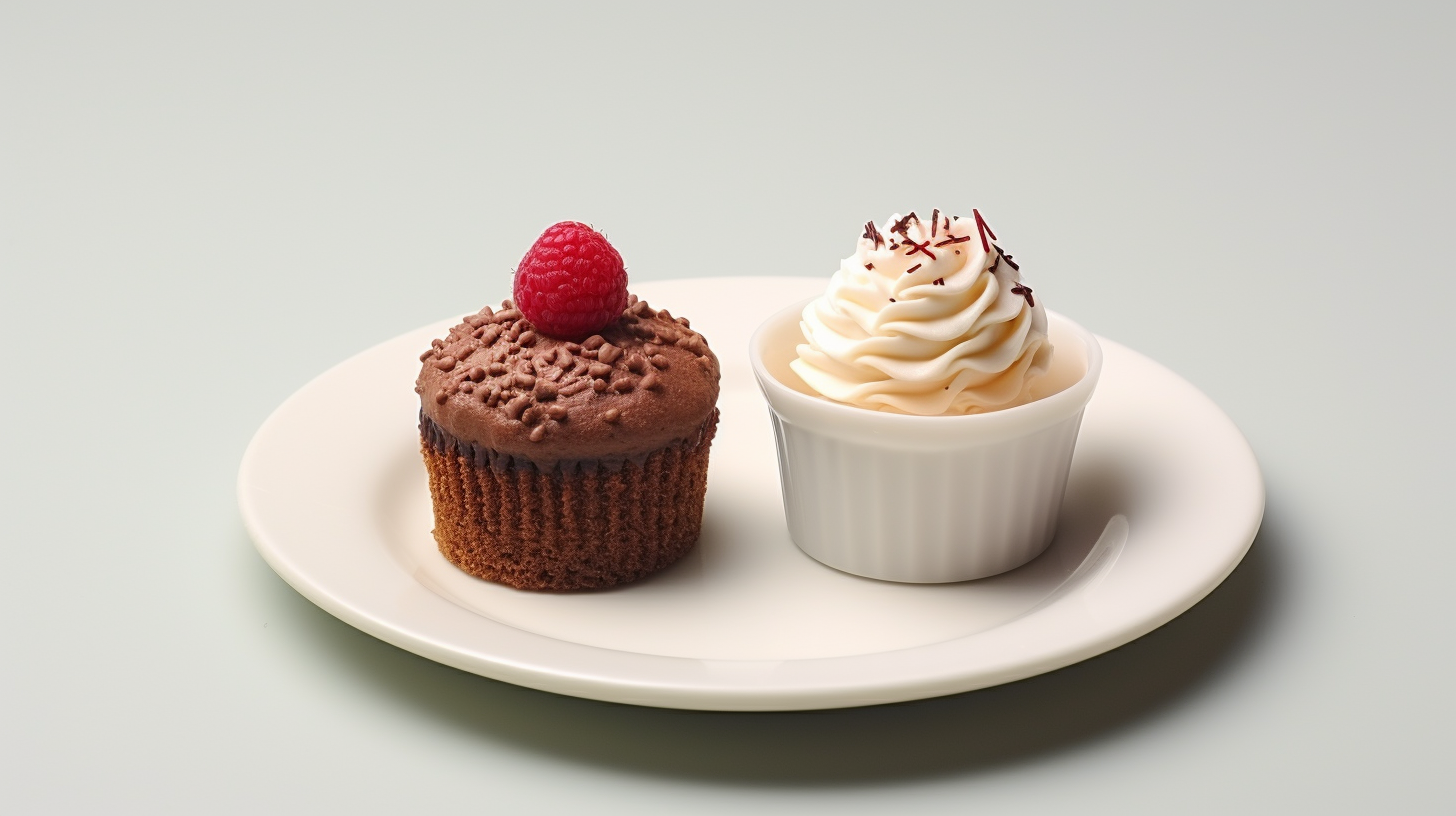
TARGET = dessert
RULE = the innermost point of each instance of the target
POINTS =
(928, 317)
(566, 434)
(924, 428)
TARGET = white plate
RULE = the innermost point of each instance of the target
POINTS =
(1164, 499)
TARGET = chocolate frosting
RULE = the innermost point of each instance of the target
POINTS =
(641, 384)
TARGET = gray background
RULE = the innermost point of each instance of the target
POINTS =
(203, 207)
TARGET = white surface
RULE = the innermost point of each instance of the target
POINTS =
(1165, 502)
(926, 499)
(202, 207)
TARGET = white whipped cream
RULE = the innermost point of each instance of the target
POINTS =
(925, 319)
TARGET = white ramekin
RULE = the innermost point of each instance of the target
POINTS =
(924, 499)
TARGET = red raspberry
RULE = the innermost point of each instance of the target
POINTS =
(571, 284)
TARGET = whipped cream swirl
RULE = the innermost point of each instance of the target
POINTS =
(928, 317)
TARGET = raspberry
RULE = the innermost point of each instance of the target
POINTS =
(571, 284)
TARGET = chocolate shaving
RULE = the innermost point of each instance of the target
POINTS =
(1009, 262)
(913, 268)
(901, 225)
(873, 234)
(984, 229)
(948, 241)
(934, 221)
(1025, 291)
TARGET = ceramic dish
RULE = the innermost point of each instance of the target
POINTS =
(1163, 500)
(923, 499)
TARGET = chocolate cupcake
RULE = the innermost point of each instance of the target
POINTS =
(560, 462)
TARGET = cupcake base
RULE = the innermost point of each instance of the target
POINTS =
(582, 525)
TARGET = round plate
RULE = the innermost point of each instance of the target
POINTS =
(1163, 501)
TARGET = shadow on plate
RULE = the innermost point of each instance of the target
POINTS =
(949, 736)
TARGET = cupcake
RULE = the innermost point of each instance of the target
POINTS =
(925, 424)
(566, 434)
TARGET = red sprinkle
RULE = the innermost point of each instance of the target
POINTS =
(919, 248)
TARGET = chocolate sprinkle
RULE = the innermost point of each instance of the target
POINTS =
(872, 233)
(517, 406)
(903, 224)
(984, 229)
(1009, 261)
(573, 388)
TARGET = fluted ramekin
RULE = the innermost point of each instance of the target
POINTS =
(924, 499)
